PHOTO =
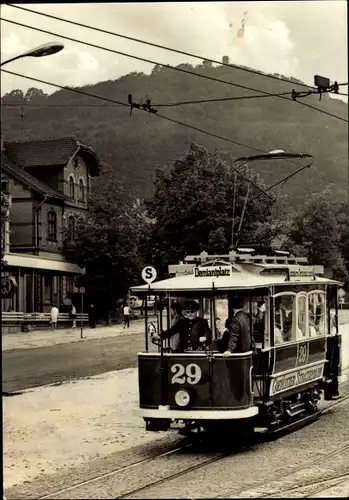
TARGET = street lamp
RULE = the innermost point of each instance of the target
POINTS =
(43, 50)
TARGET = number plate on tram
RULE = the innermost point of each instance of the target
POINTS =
(188, 380)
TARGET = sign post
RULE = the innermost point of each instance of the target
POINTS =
(82, 291)
(149, 275)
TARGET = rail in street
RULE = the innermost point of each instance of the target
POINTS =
(189, 469)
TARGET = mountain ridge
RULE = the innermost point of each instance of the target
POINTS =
(138, 144)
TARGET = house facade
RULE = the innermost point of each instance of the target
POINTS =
(48, 183)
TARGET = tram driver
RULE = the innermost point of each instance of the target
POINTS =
(193, 331)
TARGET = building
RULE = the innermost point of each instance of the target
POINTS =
(48, 183)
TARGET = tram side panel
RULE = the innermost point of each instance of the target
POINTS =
(299, 365)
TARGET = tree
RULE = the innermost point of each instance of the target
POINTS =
(315, 233)
(14, 97)
(193, 204)
(35, 96)
(107, 242)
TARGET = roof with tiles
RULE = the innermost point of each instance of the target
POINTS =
(46, 152)
(21, 175)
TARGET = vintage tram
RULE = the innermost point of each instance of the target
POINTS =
(294, 356)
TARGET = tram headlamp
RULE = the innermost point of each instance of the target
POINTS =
(182, 398)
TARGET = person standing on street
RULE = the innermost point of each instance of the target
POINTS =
(54, 315)
(126, 316)
(73, 315)
(92, 316)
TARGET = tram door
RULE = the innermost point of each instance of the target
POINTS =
(332, 367)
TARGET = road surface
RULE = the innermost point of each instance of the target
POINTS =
(25, 368)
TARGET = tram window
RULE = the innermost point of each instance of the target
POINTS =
(222, 313)
(284, 318)
(302, 316)
(317, 313)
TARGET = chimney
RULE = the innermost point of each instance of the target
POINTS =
(225, 59)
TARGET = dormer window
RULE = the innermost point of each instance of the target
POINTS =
(71, 187)
(81, 190)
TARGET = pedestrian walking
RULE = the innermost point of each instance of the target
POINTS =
(92, 316)
(73, 315)
(126, 316)
(54, 316)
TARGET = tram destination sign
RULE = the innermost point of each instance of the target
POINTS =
(288, 381)
(299, 273)
(212, 271)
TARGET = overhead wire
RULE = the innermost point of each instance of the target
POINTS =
(171, 104)
(132, 56)
(182, 70)
(163, 47)
(192, 127)
(118, 103)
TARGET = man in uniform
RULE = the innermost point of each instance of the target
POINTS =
(237, 336)
(193, 331)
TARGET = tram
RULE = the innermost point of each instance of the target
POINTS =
(294, 353)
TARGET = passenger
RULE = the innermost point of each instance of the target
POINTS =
(193, 331)
(237, 336)
(278, 338)
(176, 315)
(258, 323)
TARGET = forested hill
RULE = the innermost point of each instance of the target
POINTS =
(136, 145)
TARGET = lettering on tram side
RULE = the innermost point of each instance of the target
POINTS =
(217, 271)
(299, 377)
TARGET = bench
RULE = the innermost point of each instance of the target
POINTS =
(11, 321)
(44, 319)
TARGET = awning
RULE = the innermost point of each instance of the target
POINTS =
(34, 262)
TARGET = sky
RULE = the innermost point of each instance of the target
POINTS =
(298, 39)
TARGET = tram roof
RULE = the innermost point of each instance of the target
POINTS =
(239, 278)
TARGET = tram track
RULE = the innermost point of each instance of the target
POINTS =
(273, 491)
(305, 491)
(142, 467)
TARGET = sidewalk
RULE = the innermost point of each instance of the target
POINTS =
(44, 338)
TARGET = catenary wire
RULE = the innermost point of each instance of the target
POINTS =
(118, 103)
(170, 104)
(182, 70)
(129, 106)
(163, 47)
(192, 127)
(164, 65)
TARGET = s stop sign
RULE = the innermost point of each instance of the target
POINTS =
(149, 274)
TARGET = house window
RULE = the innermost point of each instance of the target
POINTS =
(5, 187)
(71, 187)
(81, 190)
(71, 228)
(52, 226)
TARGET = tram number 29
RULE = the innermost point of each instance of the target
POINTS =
(190, 374)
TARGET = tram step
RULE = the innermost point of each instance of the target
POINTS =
(296, 409)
